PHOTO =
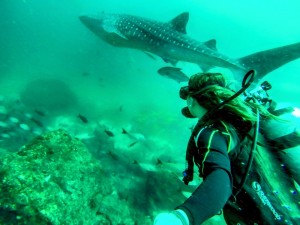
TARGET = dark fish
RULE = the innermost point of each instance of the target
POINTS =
(37, 122)
(83, 118)
(132, 144)
(135, 162)
(134, 136)
(173, 73)
(109, 133)
(159, 162)
(40, 113)
(113, 155)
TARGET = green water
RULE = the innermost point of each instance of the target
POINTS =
(119, 88)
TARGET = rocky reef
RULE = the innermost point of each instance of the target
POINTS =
(55, 180)
(52, 180)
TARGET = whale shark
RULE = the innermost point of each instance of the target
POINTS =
(169, 40)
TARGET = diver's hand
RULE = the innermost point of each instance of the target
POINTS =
(177, 217)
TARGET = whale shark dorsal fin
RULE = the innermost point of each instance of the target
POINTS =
(212, 44)
(180, 21)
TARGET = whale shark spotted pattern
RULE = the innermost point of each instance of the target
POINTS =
(170, 41)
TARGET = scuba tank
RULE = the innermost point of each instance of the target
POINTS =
(283, 135)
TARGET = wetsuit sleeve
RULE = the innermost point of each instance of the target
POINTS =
(209, 198)
(214, 166)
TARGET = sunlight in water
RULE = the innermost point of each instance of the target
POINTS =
(296, 112)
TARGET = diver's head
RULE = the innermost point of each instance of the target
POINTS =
(204, 92)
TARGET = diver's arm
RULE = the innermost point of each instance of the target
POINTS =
(209, 198)
(212, 194)
(214, 166)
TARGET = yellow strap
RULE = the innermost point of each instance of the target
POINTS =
(226, 128)
(208, 148)
(210, 140)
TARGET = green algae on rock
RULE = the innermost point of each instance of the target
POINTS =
(52, 180)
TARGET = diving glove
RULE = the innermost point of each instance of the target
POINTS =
(176, 217)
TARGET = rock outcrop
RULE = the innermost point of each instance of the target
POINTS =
(55, 180)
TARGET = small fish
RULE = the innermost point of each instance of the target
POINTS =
(124, 131)
(173, 73)
(159, 162)
(13, 119)
(83, 118)
(109, 133)
(134, 136)
(24, 126)
(4, 135)
(40, 113)
(113, 155)
(132, 144)
(3, 124)
(37, 122)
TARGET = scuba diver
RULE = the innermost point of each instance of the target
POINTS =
(242, 177)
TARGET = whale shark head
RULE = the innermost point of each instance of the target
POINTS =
(136, 32)
(105, 27)
(94, 23)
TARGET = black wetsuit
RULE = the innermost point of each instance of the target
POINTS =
(222, 166)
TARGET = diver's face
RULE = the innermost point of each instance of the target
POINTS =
(195, 108)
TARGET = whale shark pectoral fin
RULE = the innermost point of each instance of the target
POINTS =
(212, 44)
(172, 61)
(150, 55)
(179, 22)
(111, 29)
(121, 35)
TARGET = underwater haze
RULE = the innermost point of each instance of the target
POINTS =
(45, 39)
(55, 73)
